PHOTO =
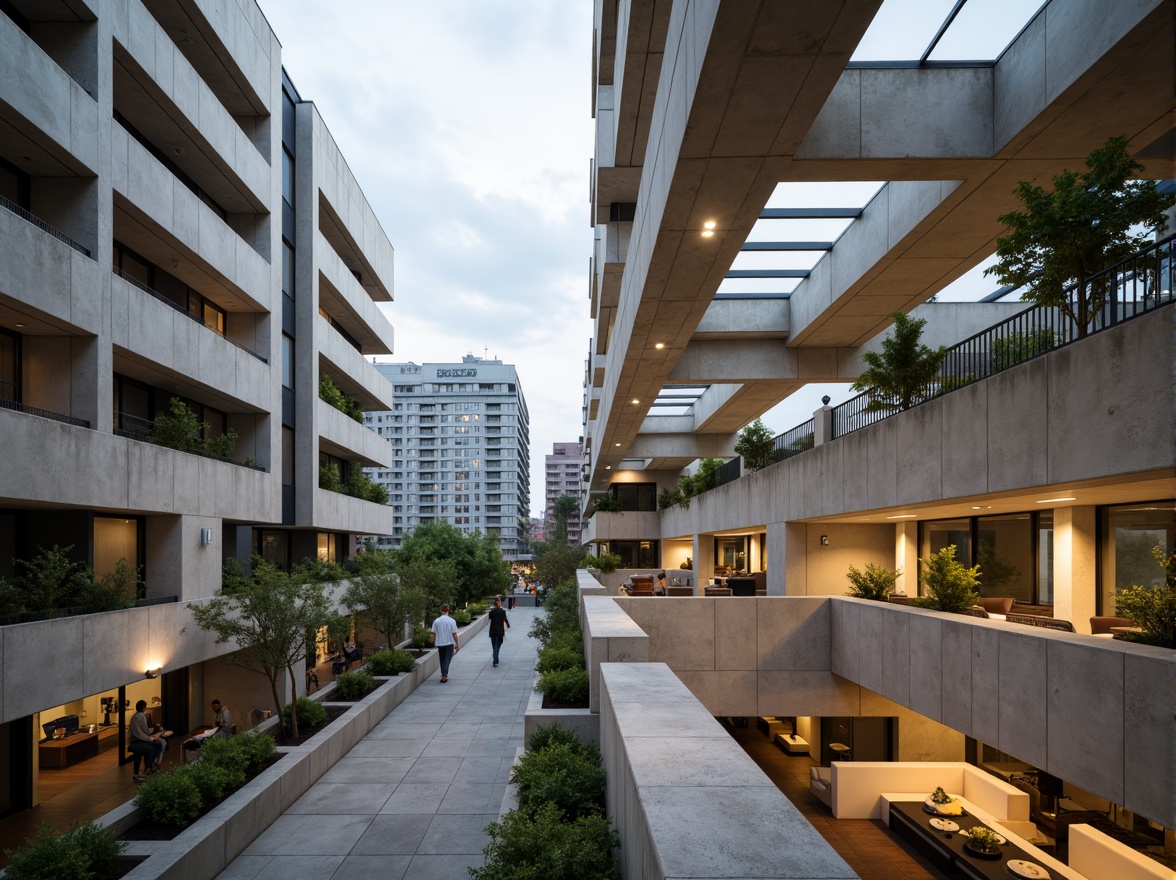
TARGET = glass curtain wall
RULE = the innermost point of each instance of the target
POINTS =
(1130, 534)
(1014, 552)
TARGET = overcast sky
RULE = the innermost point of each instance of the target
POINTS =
(468, 126)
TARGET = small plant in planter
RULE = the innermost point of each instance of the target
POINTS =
(546, 845)
(420, 638)
(87, 851)
(353, 685)
(570, 776)
(939, 796)
(171, 798)
(876, 582)
(391, 662)
(566, 687)
(983, 840)
(310, 714)
(952, 586)
(607, 504)
(1152, 608)
(608, 562)
(461, 617)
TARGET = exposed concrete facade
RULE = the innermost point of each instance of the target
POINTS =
(163, 141)
(703, 110)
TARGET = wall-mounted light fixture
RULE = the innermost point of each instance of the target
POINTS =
(824, 540)
(205, 537)
(153, 673)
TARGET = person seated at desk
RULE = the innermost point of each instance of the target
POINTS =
(144, 743)
(224, 719)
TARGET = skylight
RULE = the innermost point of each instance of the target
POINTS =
(677, 400)
(914, 32)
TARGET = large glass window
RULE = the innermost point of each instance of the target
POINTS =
(116, 538)
(1004, 552)
(287, 269)
(1045, 557)
(635, 496)
(1131, 532)
(637, 554)
(941, 534)
(273, 546)
(288, 177)
(287, 361)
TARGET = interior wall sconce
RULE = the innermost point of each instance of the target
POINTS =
(205, 537)
(153, 673)
(824, 540)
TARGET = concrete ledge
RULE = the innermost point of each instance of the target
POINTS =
(694, 805)
(610, 636)
(206, 847)
(582, 722)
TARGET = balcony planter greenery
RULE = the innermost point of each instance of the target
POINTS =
(757, 445)
(951, 585)
(357, 485)
(51, 583)
(1152, 608)
(607, 504)
(178, 428)
(900, 375)
(86, 851)
(331, 394)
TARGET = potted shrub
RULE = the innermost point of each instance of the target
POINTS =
(951, 585)
(1152, 608)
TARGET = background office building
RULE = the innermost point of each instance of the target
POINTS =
(561, 472)
(459, 441)
(176, 224)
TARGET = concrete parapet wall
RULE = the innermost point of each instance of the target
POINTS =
(610, 636)
(582, 722)
(694, 804)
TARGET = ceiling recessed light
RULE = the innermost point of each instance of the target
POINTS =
(1052, 500)
(659, 345)
(709, 224)
(635, 400)
(707, 233)
(904, 516)
(616, 444)
(608, 467)
(981, 507)
(18, 325)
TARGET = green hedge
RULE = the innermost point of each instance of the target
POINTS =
(545, 846)
(558, 657)
(552, 734)
(310, 714)
(569, 776)
(351, 686)
(565, 685)
(391, 662)
(461, 617)
(86, 852)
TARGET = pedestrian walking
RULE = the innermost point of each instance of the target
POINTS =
(499, 624)
(445, 640)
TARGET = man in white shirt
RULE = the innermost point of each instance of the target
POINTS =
(224, 719)
(445, 640)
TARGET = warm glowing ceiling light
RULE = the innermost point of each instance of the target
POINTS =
(904, 516)
(1052, 500)
(616, 444)
(635, 400)
(659, 345)
(708, 233)
(709, 224)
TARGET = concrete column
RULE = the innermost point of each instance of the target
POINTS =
(177, 563)
(704, 560)
(822, 425)
(906, 556)
(776, 559)
(1075, 565)
(794, 545)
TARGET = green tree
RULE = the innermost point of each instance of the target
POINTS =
(178, 428)
(479, 569)
(757, 446)
(897, 377)
(951, 585)
(556, 563)
(562, 509)
(1152, 607)
(1082, 225)
(386, 604)
(876, 582)
(269, 616)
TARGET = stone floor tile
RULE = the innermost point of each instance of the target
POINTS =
(433, 770)
(356, 768)
(302, 867)
(471, 797)
(413, 798)
(381, 867)
(244, 868)
(456, 834)
(308, 835)
(341, 798)
(393, 835)
(429, 867)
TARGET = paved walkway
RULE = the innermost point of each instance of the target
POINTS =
(409, 802)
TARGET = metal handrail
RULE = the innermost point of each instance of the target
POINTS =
(151, 291)
(727, 472)
(41, 224)
(5, 403)
(794, 441)
(1136, 285)
(142, 433)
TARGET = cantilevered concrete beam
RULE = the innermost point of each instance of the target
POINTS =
(684, 447)
(744, 318)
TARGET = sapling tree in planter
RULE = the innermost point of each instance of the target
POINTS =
(876, 582)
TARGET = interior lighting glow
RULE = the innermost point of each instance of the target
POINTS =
(708, 233)
(1052, 500)
(904, 516)
(659, 345)
(709, 224)
(635, 400)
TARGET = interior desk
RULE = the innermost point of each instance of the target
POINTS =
(67, 751)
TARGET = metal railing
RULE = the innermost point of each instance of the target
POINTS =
(151, 291)
(8, 401)
(1132, 287)
(728, 472)
(77, 610)
(42, 225)
(137, 428)
(793, 441)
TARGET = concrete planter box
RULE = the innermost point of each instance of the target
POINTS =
(206, 847)
(581, 722)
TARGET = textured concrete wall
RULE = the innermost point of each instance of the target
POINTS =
(359, 442)
(694, 804)
(610, 636)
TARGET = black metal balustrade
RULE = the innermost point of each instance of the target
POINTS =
(42, 225)
(1135, 286)
(793, 441)
(728, 472)
(183, 311)
(8, 401)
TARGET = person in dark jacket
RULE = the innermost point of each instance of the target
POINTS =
(499, 624)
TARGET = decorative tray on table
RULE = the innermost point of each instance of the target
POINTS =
(943, 825)
(1028, 870)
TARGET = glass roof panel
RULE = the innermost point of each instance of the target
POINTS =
(776, 259)
(763, 286)
(799, 230)
(983, 29)
(824, 194)
(902, 30)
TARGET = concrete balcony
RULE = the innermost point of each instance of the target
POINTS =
(342, 513)
(343, 437)
(157, 332)
(349, 370)
(348, 303)
(43, 273)
(163, 217)
(632, 525)
(78, 467)
(44, 103)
